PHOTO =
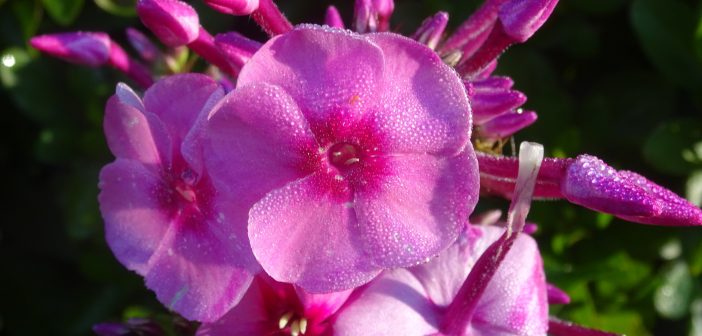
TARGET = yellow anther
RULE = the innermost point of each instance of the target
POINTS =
(284, 320)
(295, 328)
(303, 325)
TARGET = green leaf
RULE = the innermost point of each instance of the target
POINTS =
(665, 30)
(64, 12)
(672, 298)
(675, 147)
(28, 14)
(118, 7)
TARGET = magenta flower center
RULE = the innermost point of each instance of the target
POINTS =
(185, 186)
(344, 155)
(187, 195)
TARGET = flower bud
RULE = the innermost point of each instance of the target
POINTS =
(174, 22)
(84, 48)
(234, 7)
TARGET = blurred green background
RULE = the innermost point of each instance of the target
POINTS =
(619, 79)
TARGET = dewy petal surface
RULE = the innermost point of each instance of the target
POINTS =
(178, 101)
(424, 106)
(414, 299)
(515, 301)
(164, 219)
(324, 69)
(594, 184)
(258, 141)
(419, 208)
(134, 222)
(190, 268)
(307, 235)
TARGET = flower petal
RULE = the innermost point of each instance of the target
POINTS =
(307, 235)
(393, 304)
(324, 69)
(131, 207)
(424, 107)
(419, 209)
(249, 317)
(443, 276)
(515, 300)
(132, 134)
(178, 100)
(322, 306)
(198, 271)
(258, 141)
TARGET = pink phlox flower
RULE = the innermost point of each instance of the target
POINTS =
(489, 282)
(591, 183)
(163, 217)
(351, 152)
(274, 308)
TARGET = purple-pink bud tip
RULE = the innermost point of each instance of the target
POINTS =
(593, 184)
(333, 18)
(506, 125)
(236, 48)
(522, 18)
(432, 29)
(146, 49)
(489, 102)
(234, 7)
(556, 295)
(84, 48)
(174, 22)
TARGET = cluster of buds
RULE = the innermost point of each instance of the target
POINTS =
(322, 182)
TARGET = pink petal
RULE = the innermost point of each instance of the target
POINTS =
(201, 271)
(393, 304)
(249, 317)
(443, 276)
(424, 107)
(178, 100)
(515, 301)
(321, 306)
(134, 225)
(129, 133)
(324, 69)
(306, 235)
(258, 141)
(419, 210)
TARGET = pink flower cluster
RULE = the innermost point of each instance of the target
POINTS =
(329, 190)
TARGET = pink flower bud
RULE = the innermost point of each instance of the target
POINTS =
(333, 18)
(146, 49)
(431, 29)
(174, 22)
(234, 7)
(507, 124)
(84, 48)
(522, 18)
